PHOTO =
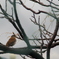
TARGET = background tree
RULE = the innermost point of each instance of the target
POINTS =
(44, 41)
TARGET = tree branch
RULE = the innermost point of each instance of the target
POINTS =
(54, 35)
(38, 11)
(40, 3)
(23, 51)
(25, 38)
(17, 19)
(52, 39)
(10, 20)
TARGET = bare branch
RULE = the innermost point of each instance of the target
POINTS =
(54, 35)
(23, 51)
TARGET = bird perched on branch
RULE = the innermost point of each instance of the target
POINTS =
(11, 41)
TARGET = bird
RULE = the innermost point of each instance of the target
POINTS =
(11, 41)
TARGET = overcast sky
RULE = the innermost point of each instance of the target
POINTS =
(24, 16)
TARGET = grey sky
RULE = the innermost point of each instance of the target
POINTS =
(28, 26)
